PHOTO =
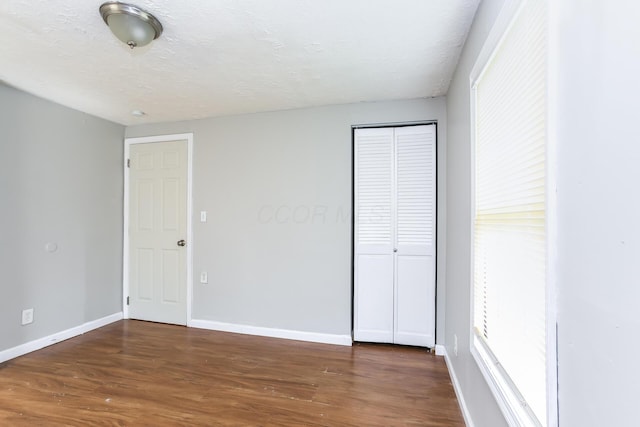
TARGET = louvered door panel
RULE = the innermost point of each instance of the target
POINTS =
(415, 185)
(374, 188)
(373, 259)
(414, 321)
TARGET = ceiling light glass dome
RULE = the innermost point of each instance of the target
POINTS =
(130, 24)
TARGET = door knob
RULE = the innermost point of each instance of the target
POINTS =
(395, 249)
(182, 243)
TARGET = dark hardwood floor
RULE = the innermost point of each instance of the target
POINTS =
(140, 373)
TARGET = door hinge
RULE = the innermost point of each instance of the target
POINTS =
(128, 163)
(127, 300)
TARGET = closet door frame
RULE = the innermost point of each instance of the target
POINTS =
(354, 128)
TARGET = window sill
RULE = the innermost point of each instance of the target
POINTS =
(514, 409)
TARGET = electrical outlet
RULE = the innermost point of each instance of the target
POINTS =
(203, 277)
(455, 344)
(27, 316)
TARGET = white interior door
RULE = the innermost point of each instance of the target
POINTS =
(394, 246)
(157, 232)
(415, 275)
(374, 235)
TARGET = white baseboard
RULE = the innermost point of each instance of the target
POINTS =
(456, 387)
(34, 345)
(272, 332)
(440, 350)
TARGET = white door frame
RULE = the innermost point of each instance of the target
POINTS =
(125, 249)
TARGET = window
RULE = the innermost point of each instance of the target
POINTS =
(509, 114)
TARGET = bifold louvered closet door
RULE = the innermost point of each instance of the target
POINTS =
(394, 247)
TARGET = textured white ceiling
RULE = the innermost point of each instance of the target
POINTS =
(222, 57)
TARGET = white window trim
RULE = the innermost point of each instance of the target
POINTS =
(507, 398)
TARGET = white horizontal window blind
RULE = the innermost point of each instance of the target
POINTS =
(509, 222)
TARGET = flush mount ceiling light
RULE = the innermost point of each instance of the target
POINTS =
(130, 24)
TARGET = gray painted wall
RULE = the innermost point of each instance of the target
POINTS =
(482, 406)
(60, 182)
(597, 55)
(277, 188)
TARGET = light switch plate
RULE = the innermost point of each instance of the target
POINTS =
(203, 216)
(203, 277)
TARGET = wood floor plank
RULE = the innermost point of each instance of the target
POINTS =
(134, 373)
